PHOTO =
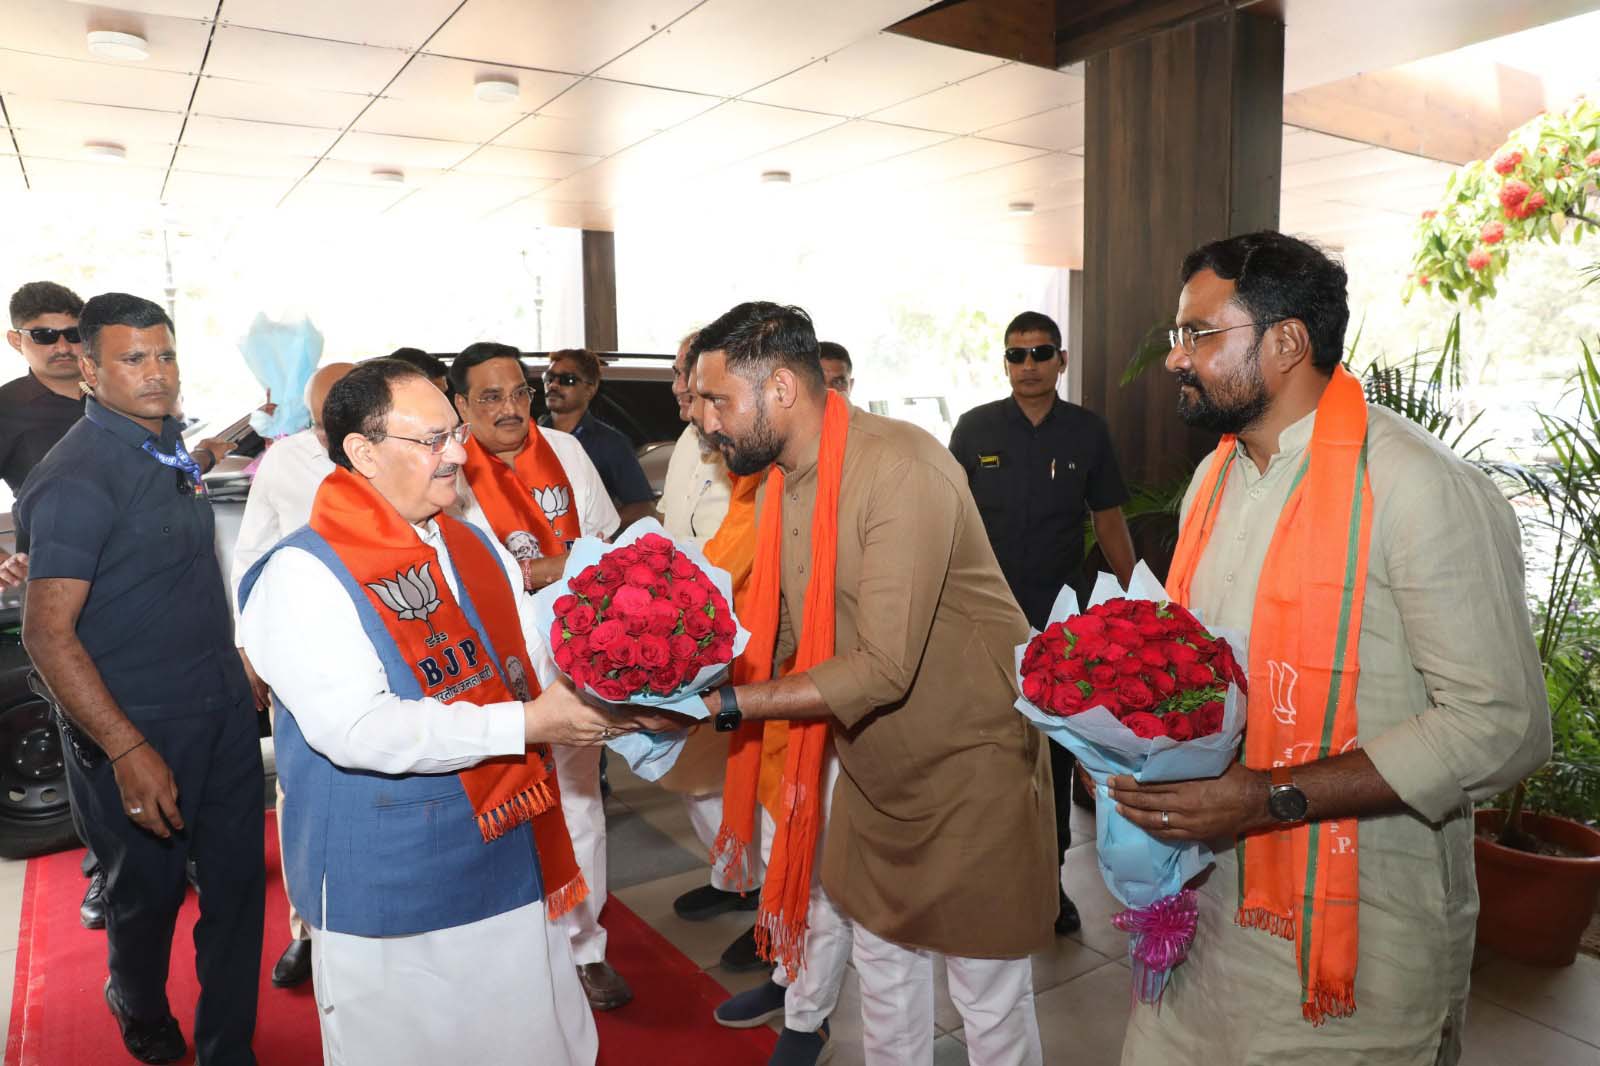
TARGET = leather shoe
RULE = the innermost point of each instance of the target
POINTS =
(1067, 920)
(153, 1042)
(741, 957)
(604, 986)
(708, 901)
(92, 911)
(293, 966)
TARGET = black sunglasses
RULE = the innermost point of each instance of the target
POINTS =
(565, 380)
(46, 335)
(1041, 353)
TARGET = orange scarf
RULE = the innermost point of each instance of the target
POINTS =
(1302, 882)
(534, 498)
(405, 582)
(786, 895)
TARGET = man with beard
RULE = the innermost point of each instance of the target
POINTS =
(127, 620)
(37, 409)
(1393, 682)
(873, 571)
(536, 491)
(837, 369)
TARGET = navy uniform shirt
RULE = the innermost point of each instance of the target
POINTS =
(32, 419)
(1035, 486)
(612, 454)
(156, 622)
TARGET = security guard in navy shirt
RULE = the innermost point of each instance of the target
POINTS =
(128, 622)
(1038, 467)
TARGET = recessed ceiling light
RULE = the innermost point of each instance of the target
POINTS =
(388, 176)
(105, 151)
(111, 44)
(1020, 208)
(776, 177)
(495, 88)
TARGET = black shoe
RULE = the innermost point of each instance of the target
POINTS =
(153, 1042)
(708, 901)
(752, 1007)
(293, 966)
(800, 1049)
(741, 957)
(1067, 920)
(92, 911)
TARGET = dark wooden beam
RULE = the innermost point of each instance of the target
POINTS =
(1087, 27)
(1009, 29)
(599, 291)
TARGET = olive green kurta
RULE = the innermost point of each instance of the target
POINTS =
(1452, 709)
(942, 834)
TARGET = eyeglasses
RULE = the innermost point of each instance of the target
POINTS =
(46, 335)
(565, 380)
(521, 396)
(439, 441)
(1040, 353)
(1185, 336)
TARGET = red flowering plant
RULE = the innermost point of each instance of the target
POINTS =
(646, 620)
(1135, 684)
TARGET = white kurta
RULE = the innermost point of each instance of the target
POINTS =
(696, 491)
(499, 990)
(281, 493)
(577, 769)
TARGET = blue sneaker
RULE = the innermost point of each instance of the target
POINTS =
(801, 1049)
(751, 1008)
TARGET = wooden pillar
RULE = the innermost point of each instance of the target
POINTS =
(599, 291)
(1183, 146)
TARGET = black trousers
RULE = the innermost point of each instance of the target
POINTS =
(216, 760)
(1063, 764)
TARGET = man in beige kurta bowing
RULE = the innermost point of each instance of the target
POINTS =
(1450, 699)
(940, 840)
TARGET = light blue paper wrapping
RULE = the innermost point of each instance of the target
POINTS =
(282, 356)
(650, 755)
(1138, 868)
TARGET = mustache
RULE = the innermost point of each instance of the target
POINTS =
(447, 470)
(511, 420)
(1188, 377)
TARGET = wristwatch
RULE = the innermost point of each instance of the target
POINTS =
(1285, 802)
(729, 717)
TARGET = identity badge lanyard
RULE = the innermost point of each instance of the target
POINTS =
(180, 461)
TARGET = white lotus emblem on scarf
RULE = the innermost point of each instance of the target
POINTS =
(553, 500)
(1281, 678)
(410, 594)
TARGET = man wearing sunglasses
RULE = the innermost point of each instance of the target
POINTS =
(37, 409)
(1039, 466)
(570, 385)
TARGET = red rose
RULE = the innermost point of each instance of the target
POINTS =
(1196, 675)
(1130, 666)
(654, 651)
(1179, 654)
(1036, 655)
(606, 634)
(1124, 633)
(565, 604)
(1144, 724)
(657, 564)
(1107, 699)
(689, 595)
(682, 567)
(609, 573)
(1091, 647)
(580, 619)
(557, 634)
(661, 618)
(1134, 694)
(1065, 699)
(627, 601)
(624, 557)
(719, 651)
(722, 623)
(683, 647)
(639, 576)
(583, 673)
(1178, 726)
(1207, 719)
(1152, 655)
(1102, 676)
(666, 679)
(1085, 625)
(696, 624)
(1036, 690)
(587, 583)
(565, 658)
(579, 646)
(1162, 682)
(623, 652)
(609, 688)
(634, 679)
(654, 544)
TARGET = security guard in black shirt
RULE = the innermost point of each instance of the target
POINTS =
(1038, 467)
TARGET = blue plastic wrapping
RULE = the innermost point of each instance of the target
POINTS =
(282, 356)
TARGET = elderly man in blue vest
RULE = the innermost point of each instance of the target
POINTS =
(423, 837)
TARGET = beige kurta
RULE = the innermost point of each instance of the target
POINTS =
(942, 834)
(1452, 709)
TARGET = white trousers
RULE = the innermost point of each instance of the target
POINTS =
(705, 817)
(814, 993)
(578, 773)
(994, 996)
(501, 991)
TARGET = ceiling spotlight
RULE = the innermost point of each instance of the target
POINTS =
(495, 88)
(105, 151)
(388, 176)
(1020, 208)
(111, 44)
(776, 177)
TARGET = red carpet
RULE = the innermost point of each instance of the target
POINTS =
(59, 1016)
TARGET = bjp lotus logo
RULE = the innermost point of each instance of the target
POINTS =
(411, 595)
(554, 501)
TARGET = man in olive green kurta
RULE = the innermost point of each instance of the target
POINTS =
(941, 836)
(1450, 698)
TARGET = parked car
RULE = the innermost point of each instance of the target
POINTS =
(636, 397)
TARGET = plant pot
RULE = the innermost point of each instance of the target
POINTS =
(1534, 908)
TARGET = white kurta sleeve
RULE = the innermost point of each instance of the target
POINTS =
(259, 526)
(597, 515)
(304, 638)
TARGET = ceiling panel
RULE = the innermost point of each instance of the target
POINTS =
(843, 148)
(11, 180)
(53, 28)
(599, 117)
(280, 59)
(239, 135)
(102, 182)
(524, 163)
(882, 70)
(999, 96)
(942, 162)
(383, 150)
(1060, 129)
(224, 191)
(553, 34)
(439, 119)
(242, 164)
(451, 80)
(712, 49)
(349, 172)
(1303, 146)
(56, 144)
(537, 211)
(94, 83)
(97, 122)
(324, 198)
(191, 9)
(227, 98)
(392, 23)
(464, 197)
(1354, 167)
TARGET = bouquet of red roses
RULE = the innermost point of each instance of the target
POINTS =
(1134, 684)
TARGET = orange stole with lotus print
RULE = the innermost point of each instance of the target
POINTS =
(533, 497)
(402, 577)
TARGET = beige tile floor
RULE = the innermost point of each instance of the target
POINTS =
(1519, 1015)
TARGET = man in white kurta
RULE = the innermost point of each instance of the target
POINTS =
(493, 373)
